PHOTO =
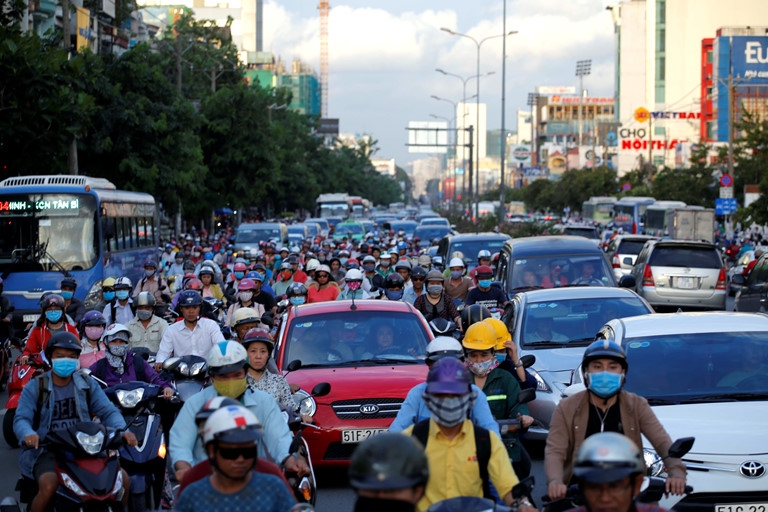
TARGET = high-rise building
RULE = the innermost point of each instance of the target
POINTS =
(304, 86)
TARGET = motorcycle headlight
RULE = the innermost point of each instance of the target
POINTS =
(183, 369)
(305, 403)
(129, 399)
(71, 485)
(653, 462)
(91, 444)
(541, 384)
(197, 369)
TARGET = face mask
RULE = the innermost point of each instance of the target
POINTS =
(449, 411)
(179, 261)
(354, 285)
(149, 273)
(500, 357)
(435, 289)
(94, 332)
(484, 368)
(385, 263)
(65, 366)
(67, 295)
(343, 261)
(394, 295)
(245, 296)
(53, 316)
(239, 275)
(117, 350)
(605, 384)
(229, 252)
(456, 274)
(109, 296)
(230, 388)
(369, 268)
(286, 275)
(122, 294)
(485, 283)
(221, 251)
(195, 254)
(144, 314)
(298, 301)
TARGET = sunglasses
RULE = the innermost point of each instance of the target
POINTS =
(322, 275)
(233, 453)
(417, 278)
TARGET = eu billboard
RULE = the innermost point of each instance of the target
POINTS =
(749, 59)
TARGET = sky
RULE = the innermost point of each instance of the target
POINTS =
(383, 55)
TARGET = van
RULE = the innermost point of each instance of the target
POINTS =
(249, 235)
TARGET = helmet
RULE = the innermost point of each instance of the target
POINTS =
(260, 335)
(149, 262)
(472, 314)
(123, 283)
(394, 280)
(443, 346)
(92, 318)
(607, 457)
(312, 265)
(403, 263)
(502, 333)
(442, 327)
(213, 404)
(479, 336)
(352, 263)
(62, 339)
(296, 290)
(484, 254)
(189, 298)
(385, 255)
(424, 260)
(449, 376)
(283, 248)
(226, 357)
(244, 316)
(239, 267)
(117, 332)
(604, 349)
(286, 266)
(206, 270)
(388, 461)
(483, 270)
(252, 274)
(246, 284)
(146, 299)
(402, 246)
(353, 275)
(232, 424)
(369, 259)
(108, 282)
(456, 262)
(418, 271)
(193, 284)
(52, 300)
(207, 255)
(438, 261)
(435, 275)
(68, 282)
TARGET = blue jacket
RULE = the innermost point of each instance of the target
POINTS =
(185, 444)
(415, 410)
(99, 405)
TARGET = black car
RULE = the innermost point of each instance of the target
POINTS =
(470, 245)
(753, 295)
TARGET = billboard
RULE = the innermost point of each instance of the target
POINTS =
(550, 89)
(749, 59)
(427, 137)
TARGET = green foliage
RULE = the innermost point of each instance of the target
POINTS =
(751, 160)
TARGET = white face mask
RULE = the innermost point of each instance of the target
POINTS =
(246, 296)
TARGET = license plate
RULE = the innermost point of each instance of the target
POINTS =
(742, 507)
(686, 283)
(29, 318)
(360, 434)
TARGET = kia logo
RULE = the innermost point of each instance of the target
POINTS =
(369, 409)
(752, 469)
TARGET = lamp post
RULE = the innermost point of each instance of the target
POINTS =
(583, 68)
(503, 164)
(533, 102)
(479, 45)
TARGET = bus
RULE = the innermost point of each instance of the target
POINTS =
(76, 226)
(656, 216)
(629, 213)
(598, 209)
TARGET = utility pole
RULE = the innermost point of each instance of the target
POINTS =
(67, 44)
(583, 68)
(731, 115)
(502, 195)
(650, 148)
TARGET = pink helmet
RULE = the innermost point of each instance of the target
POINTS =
(246, 284)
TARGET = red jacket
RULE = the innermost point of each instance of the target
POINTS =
(39, 336)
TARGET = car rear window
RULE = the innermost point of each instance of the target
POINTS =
(585, 232)
(681, 256)
(631, 247)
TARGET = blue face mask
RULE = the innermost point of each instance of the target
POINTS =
(298, 301)
(456, 274)
(605, 384)
(239, 275)
(122, 294)
(67, 295)
(394, 295)
(109, 296)
(343, 261)
(484, 283)
(65, 366)
(501, 356)
(53, 315)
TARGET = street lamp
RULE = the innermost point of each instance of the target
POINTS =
(533, 102)
(503, 164)
(583, 68)
(478, 44)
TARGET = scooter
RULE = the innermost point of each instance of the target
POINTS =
(21, 374)
(188, 374)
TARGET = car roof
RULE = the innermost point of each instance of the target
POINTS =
(692, 323)
(643, 238)
(479, 236)
(251, 225)
(319, 308)
(551, 245)
(577, 292)
(667, 242)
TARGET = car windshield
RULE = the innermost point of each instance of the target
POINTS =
(718, 366)
(257, 235)
(360, 337)
(631, 247)
(299, 230)
(585, 232)
(348, 229)
(685, 256)
(435, 221)
(470, 248)
(573, 322)
(556, 271)
(426, 234)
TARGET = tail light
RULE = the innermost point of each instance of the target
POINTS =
(616, 263)
(648, 276)
(634, 228)
(721, 280)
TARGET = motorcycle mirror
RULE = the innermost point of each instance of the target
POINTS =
(681, 446)
(321, 389)
(528, 360)
(170, 362)
(294, 365)
(526, 395)
(523, 488)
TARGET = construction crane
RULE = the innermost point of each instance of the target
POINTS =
(324, 8)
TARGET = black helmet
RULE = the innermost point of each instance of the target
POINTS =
(388, 461)
(63, 339)
(296, 289)
(52, 300)
(206, 269)
(68, 282)
(418, 271)
(604, 349)
(190, 298)
(473, 314)
(607, 457)
(394, 280)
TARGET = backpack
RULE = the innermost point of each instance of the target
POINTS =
(482, 445)
(42, 397)
(100, 369)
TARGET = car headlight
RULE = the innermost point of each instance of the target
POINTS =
(91, 444)
(305, 403)
(541, 384)
(129, 398)
(653, 462)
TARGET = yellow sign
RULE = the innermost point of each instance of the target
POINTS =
(642, 115)
(83, 28)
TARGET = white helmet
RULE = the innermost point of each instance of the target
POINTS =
(323, 268)
(312, 265)
(456, 262)
(226, 357)
(117, 332)
(232, 424)
(353, 274)
(123, 283)
(444, 346)
(245, 316)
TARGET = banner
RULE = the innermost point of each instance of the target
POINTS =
(83, 28)
(749, 59)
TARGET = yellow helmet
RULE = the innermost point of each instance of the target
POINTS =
(502, 333)
(108, 282)
(479, 336)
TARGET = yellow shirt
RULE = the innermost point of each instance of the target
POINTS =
(453, 469)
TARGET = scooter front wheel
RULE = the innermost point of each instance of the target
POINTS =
(8, 434)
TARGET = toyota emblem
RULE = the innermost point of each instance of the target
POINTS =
(752, 469)
(369, 409)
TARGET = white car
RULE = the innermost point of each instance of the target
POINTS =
(705, 375)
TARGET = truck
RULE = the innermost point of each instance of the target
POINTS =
(516, 209)
(359, 207)
(691, 223)
(333, 205)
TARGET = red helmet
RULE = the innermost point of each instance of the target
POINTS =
(194, 284)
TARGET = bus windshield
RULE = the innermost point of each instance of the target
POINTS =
(50, 232)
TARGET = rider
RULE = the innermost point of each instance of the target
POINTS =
(483, 259)
(403, 267)
(121, 307)
(457, 284)
(92, 326)
(245, 291)
(74, 306)
(193, 335)
(243, 321)
(418, 276)
(262, 294)
(107, 294)
(151, 281)
(435, 303)
(506, 354)
(52, 320)
(146, 328)
(210, 288)
(324, 288)
(389, 473)
(259, 347)
(286, 279)
(354, 289)
(603, 407)
(393, 287)
(485, 293)
(69, 396)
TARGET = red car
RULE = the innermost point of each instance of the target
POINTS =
(371, 354)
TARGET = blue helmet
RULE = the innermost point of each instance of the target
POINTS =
(449, 376)
(190, 298)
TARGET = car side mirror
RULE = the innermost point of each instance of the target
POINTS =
(627, 261)
(738, 279)
(627, 282)
(528, 360)
(321, 389)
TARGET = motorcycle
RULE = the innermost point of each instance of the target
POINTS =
(188, 374)
(510, 425)
(20, 375)
(442, 327)
(6, 356)
(473, 504)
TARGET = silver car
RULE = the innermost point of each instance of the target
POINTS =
(622, 252)
(556, 325)
(680, 274)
